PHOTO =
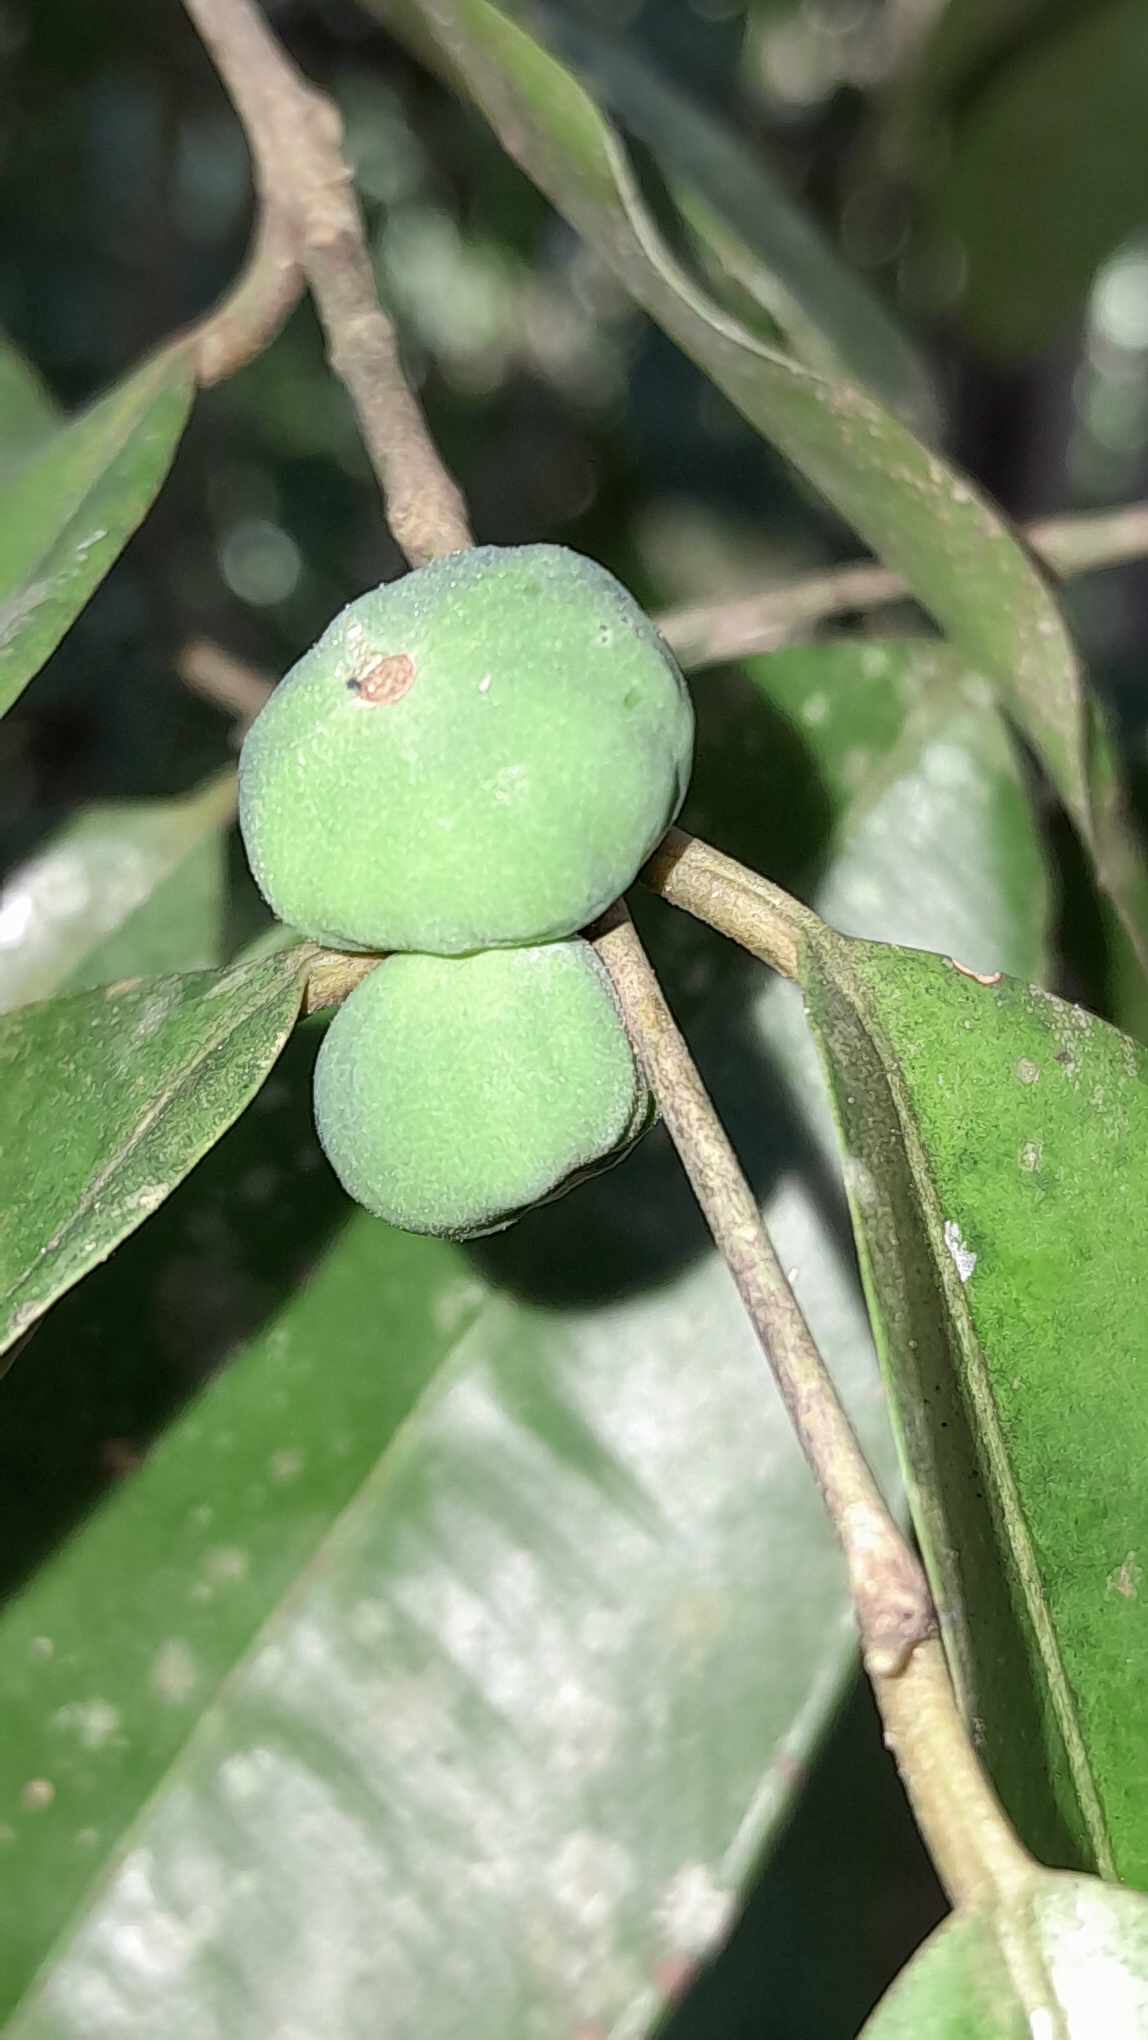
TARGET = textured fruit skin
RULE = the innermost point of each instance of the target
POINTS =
(453, 1092)
(479, 754)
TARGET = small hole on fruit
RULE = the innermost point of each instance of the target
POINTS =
(605, 634)
(384, 682)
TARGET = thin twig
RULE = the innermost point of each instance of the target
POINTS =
(976, 1852)
(295, 136)
(715, 631)
(708, 633)
(738, 902)
(257, 306)
(894, 1610)
(230, 683)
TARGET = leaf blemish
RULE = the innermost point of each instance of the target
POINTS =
(1026, 1071)
(979, 977)
(964, 1260)
(1126, 1578)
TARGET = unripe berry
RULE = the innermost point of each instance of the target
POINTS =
(453, 1092)
(480, 754)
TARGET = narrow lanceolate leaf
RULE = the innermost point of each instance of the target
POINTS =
(108, 1098)
(131, 888)
(27, 412)
(72, 504)
(450, 1660)
(1068, 1959)
(997, 1167)
(742, 215)
(922, 517)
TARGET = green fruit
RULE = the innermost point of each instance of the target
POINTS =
(453, 1092)
(482, 753)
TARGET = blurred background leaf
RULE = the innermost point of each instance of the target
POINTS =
(131, 890)
(741, 215)
(1062, 89)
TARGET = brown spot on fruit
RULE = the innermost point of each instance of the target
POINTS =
(386, 681)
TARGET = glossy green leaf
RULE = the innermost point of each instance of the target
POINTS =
(997, 1144)
(745, 219)
(130, 889)
(451, 1658)
(72, 504)
(108, 1098)
(916, 511)
(1069, 1959)
(27, 412)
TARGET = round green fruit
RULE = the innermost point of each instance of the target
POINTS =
(453, 1092)
(479, 754)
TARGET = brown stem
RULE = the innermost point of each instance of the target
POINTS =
(229, 682)
(257, 306)
(894, 1610)
(701, 636)
(295, 136)
(332, 976)
(707, 633)
(737, 902)
(976, 1852)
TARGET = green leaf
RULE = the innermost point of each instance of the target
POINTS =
(916, 511)
(27, 412)
(130, 889)
(454, 1654)
(108, 1098)
(1068, 1959)
(73, 503)
(1070, 99)
(744, 218)
(998, 1161)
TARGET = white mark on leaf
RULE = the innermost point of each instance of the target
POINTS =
(175, 1674)
(94, 1723)
(693, 1910)
(964, 1260)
